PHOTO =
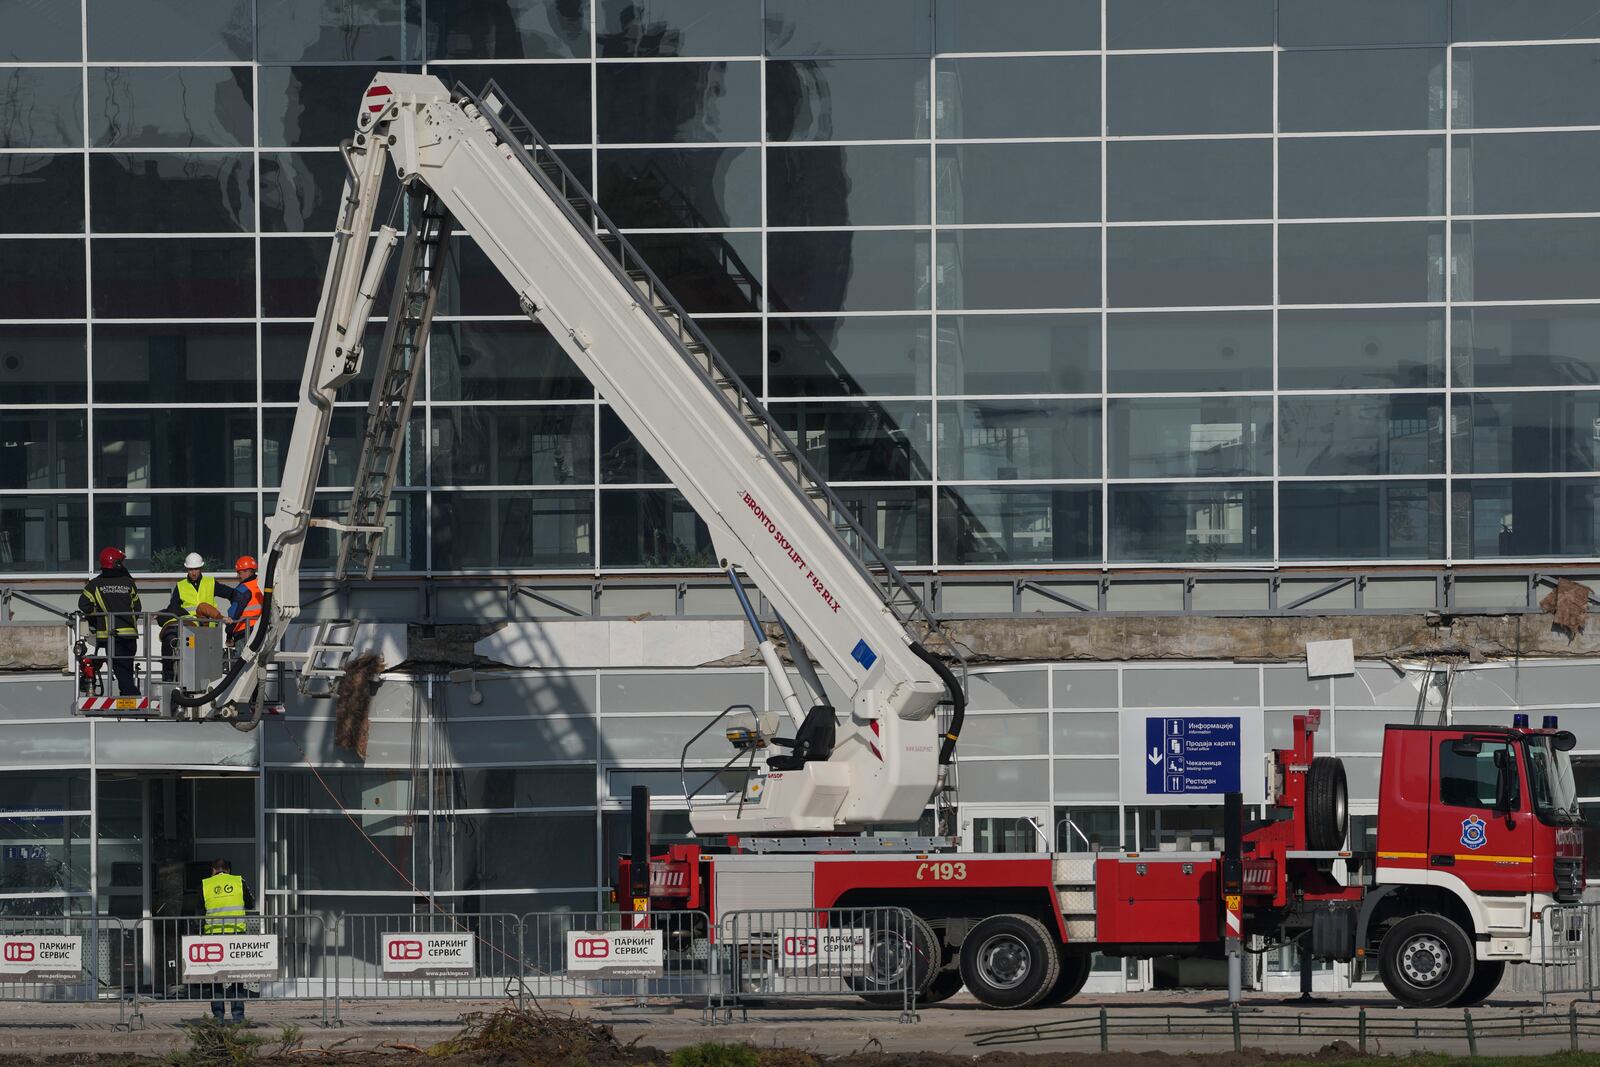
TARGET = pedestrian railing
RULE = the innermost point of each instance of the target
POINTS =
(276, 957)
(418, 957)
(1564, 940)
(639, 956)
(66, 958)
(879, 955)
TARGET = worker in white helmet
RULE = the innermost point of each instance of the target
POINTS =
(194, 597)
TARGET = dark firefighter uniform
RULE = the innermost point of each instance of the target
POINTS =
(110, 601)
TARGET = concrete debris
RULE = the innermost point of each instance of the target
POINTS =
(1569, 604)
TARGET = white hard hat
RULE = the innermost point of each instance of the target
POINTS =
(193, 561)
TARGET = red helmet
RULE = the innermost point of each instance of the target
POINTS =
(110, 557)
(245, 563)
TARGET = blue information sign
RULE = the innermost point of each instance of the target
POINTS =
(1186, 755)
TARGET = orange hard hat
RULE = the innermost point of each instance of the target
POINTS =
(245, 563)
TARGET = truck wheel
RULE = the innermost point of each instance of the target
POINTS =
(1074, 975)
(1327, 804)
(1425, 961)
(943, 986)
(1009, 961)
(1485, 980)
(897, 955)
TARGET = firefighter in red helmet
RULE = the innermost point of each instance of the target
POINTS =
(110, 601)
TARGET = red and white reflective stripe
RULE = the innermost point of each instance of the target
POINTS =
(373, 103)
(110, 704)
(876, 732)
(1235, 924)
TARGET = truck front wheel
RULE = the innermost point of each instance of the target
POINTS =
(1009, 961)
(1426, 961)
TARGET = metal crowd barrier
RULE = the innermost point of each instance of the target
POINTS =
(66, 958)
(418, 957)
(276, 957)
(1568, 957)
(585, 955)
(811, 953)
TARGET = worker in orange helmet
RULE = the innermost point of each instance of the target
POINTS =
(245, 608)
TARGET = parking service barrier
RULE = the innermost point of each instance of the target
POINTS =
(438, 955)
(276, 957)
(1566, 959)
(877, 954)
(610, 954)
(66, 958)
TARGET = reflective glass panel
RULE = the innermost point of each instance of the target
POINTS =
(1018, 524)
(294, 109)
(978, 97)
(1201, 93)
(1016, 25)
(499, 361)
(1019, 268)
(1359, 177)
(1019, 354)
(1000, 440)
(898, 518)
(174, 449)
(1008, 183)
(696, 188)
(1217, 351)
(1506, 433)
(855, 185)
(861, 441)
(560, 91)
(1361, 520)
(40, 107)
(1161, 180)
(705, 271)
(173, 364)
(43, 533)
(292, 269)
(1552, 85)
(1361, 89)
(552, 528)
(173, 30)
(289, 31)
(171, 192)
(165, 527)
(1200, 437)
(1372, 348)
(1525, 173)
(660, 102)
(738, 342)
(1528, 517)
(43, 364)
(343, 451)
(1527, 259)
(843, 271)
(471, 285)
(1188, 24)
(158, 107)
(847, 356)
(41, 279)
(403, 546)
(40, 33)
(509, 29)
(174, 277)
(1527, 20)
(652, 528)
(41, 193)
(1359, 435)
(623, 460)
(1313, 23)
(43, 450)
(283, 361)
(1189, 266)
(1361, 263)
(846, 100)
(1526, 346)
(1193, 523)
(843, 27)
(301, 191)
(679, 28)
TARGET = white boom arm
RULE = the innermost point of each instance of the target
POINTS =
(767, 512)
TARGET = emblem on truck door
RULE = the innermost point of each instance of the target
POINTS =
(1474, 834)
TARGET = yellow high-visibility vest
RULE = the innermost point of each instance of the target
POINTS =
(191, 596)
(224, 899)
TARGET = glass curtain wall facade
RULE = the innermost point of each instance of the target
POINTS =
(1033, 282)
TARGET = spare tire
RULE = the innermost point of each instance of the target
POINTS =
(1327, 804)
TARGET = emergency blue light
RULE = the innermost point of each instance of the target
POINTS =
(1549, 722)
(1520, 720)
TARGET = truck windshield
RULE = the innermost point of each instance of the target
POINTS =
(1555, 794)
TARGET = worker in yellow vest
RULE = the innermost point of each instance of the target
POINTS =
(194, 597)
(226, 898)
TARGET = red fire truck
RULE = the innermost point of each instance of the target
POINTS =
(1478, 832)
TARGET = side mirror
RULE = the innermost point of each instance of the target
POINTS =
(1565, 741)
(1505, 782)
